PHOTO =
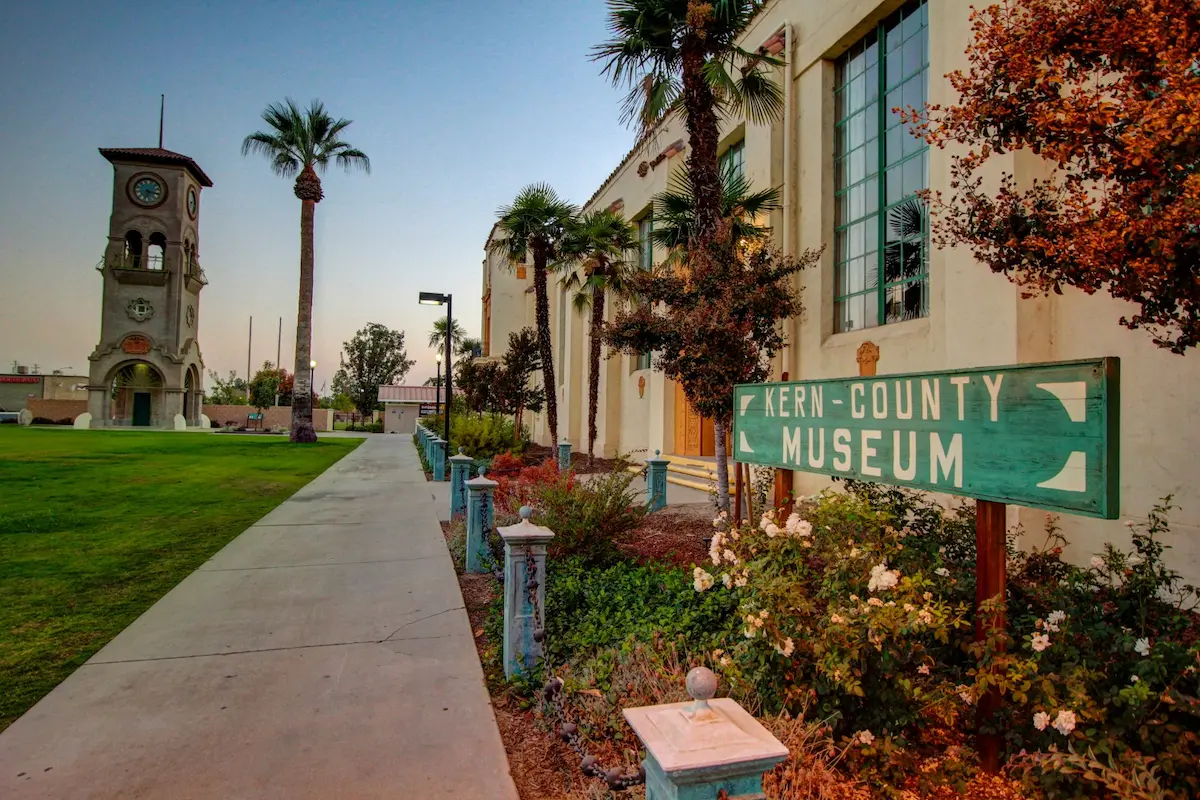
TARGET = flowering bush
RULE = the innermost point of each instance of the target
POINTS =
(859, 607)
(1101, 660)
(841, 605)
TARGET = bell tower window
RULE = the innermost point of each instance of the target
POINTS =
(133, 250)
(156, 252)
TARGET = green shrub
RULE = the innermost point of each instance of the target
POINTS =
(482, 436)
(589, 518)
(591, 610)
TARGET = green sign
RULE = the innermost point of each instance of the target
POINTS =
(1040, 435)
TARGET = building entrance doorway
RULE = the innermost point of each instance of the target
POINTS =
(141, 409)
(694, 435)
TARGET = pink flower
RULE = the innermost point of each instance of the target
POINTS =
(1040, 641)
(865, 737)
(923, 669)
(1040, 720)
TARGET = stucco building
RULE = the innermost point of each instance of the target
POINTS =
(848, 170)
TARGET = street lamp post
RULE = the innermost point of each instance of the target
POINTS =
(436, 299)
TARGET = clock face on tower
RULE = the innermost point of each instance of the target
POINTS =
(147, 190)
(192, 202)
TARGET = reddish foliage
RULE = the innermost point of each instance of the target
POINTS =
(512, 493)
(506, 465)
(1107, 92)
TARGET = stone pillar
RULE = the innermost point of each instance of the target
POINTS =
(481, 518)
(98, 406)
(524, 593)
(439, 459)
(656, 482)
(705, 747)
(460, 468)
(564, 455)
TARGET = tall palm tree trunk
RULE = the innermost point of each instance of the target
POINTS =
(594, 370)
(721, 451)
(543, 330)
(308, 189)
(702, 137)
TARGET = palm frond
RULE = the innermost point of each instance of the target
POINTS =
(298, 138)
(756, 97)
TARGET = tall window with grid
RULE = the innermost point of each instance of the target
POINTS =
(882, 227)
(734, 159)
(646, 249)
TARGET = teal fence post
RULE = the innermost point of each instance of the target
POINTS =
(460, 468)
(524, 593)
(656, 482)
(439, 459)
(481, 517)
(705, 747)
(429, 449)
(564, 455)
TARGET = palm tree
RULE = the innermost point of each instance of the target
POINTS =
(534, 225)
(467, 348)
(682, 55)
(602, 247)
(297, 143)
(741, 208)
(437, 336)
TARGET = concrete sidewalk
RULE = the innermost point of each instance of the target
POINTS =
(324, 653)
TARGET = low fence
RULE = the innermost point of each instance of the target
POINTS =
(55, 410)
(274, 417)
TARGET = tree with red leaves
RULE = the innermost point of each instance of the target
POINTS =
(1108, 93)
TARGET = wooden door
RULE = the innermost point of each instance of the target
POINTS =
(693, 433)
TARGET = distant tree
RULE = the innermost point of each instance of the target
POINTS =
(298, 143)
(374, 357)
(437, 336)
(516, 388)
(711, 330)
(477, 385)
(1107, 94)
(600, 250)
(264, 387)
(228, 392)
(533, 227)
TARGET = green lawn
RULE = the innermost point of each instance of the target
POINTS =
(95, 526)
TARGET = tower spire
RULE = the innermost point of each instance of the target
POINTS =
(162, 105)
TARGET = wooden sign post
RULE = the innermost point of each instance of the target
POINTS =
(1037, 435)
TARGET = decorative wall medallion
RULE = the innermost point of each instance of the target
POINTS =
(643, 169)
(136, 344)
(191, 316)
(641, 386)
(147, 189)
(139, 310)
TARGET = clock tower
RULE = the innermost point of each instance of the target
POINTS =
(147, 369)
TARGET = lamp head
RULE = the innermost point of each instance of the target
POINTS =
(312, 365)
(433, 299)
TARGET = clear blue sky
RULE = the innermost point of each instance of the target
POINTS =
(458, 103)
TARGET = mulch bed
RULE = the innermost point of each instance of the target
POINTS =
(535, 454)
(676, 536)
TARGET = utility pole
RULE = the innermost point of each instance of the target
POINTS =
(249, 344)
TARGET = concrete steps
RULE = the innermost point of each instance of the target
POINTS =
(694, 473)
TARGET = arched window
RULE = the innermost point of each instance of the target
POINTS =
(156, 252)
(133, 250)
